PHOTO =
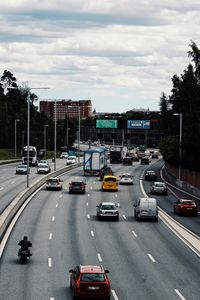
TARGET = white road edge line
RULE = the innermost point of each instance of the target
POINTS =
(50, 236)
(179, 294)
(99, 257)
(151, 257)
(92, 233)
(49, 262)
(114, 295)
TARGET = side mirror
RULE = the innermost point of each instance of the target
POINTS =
(106, 271)
(97, 205)
(71, 271)
(134, 205)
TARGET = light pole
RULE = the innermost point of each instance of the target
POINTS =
(180, 143)
(17, 120)
(45, 139)
(55, 137)
(67, 137)
(79, 131)
(28, 126)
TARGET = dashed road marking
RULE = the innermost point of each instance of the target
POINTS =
(86, 203)
(179, 294)
(99, 257)
(92, 233)
(151, 257)
(114, 295)
(50, 236)
(49, 262)
(51, 298)
(53, 218)
(12, 182)
(124, 217)
(88, 195)
(116, 195)
(88, 216)
(56, 204)
(1, 188)
(133, 232)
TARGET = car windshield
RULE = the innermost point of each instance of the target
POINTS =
(53, 180)
(110, 179)
(93, 277)
(108, 207)
(126, 176)
(22, 166)
(43, 166)
(188, 202)
(77, 183)
(159, 185)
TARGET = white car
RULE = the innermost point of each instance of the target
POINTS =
(71, 160)
(64, 155)
(107, 210)
(43, 169)
(126, 178)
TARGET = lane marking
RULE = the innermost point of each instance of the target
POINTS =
(88, 216)
(114, 295)
(51, 298)
(116, 195)
(133, 232)
(87, 204)
(53, 218)
(60, 196)
(92, 233)
(88, 195)
(50, 236)
(124, 217)
(118, 204)
(56, 204)
(179, 294)
(151, 257)
(49, 262)
(99, 257)
(12, 182)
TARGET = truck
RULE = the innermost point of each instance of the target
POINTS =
(116, 154)
(94, 160)
(32, 155)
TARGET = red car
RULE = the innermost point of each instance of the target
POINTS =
(90, 282)
(186, 207)
(77, 187)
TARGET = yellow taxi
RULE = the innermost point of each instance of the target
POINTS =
(110, 183)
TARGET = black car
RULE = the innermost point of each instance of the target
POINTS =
(150, 175)
(127, 161)
(144, 161)
(77, 187)
(105, 171)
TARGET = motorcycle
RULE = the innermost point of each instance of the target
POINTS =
(24, 255)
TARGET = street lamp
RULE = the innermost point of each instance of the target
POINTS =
(17, 120)
(79, 131)
(67, 137)
(45, 139)
(55, 137)
(180, 143)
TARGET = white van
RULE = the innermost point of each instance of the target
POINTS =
(146, 208)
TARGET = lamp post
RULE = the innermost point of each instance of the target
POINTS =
(180, 143)
(45, 139)
(55, 137)
(17, 120)
(28, 125)
(79, 131)
(67, 137)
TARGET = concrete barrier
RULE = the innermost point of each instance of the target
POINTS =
(10, 211)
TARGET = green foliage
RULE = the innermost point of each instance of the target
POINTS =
(169, 149)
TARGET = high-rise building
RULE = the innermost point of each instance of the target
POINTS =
(66, 108)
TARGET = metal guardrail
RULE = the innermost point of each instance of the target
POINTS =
(11, 210)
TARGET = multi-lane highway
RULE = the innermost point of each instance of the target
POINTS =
(146, 260)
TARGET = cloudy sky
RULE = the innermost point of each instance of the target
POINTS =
(121, 54)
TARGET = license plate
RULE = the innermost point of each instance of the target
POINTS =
(93, 287)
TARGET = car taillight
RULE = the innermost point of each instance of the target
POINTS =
(78, 284)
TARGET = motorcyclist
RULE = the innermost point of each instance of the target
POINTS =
(25, 244)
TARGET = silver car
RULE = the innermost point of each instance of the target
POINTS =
(159, 188)
(107, 210)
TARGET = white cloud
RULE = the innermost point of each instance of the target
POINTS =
(102, 50)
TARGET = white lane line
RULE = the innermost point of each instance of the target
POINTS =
(87, 204)
(53, 218)
(99, 257)
(50, 236)
(51, 298)
(133, 232)
(124, 217)
(114, 295)
(88, 216)
(60, 196)
(12, 182)
(151, 257)
(92, 233)
(179, 294)
(56, 204)
(88, 195)
(1, 188)
(91, 187)
(49, 262)
(118, 204)
(116, 195)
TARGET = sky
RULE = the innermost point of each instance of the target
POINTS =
(121, 54)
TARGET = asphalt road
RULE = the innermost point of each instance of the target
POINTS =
(146, 260)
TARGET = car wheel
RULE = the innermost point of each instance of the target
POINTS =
(156, 219)
(117, 219)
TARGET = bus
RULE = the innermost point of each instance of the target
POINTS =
(32, 155)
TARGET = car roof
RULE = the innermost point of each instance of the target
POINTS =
(148, 200)
(186, 200)
(110, 176)
(159, 182)
(150, 171)
(91, 269)
(125, 174)
(53, 178)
